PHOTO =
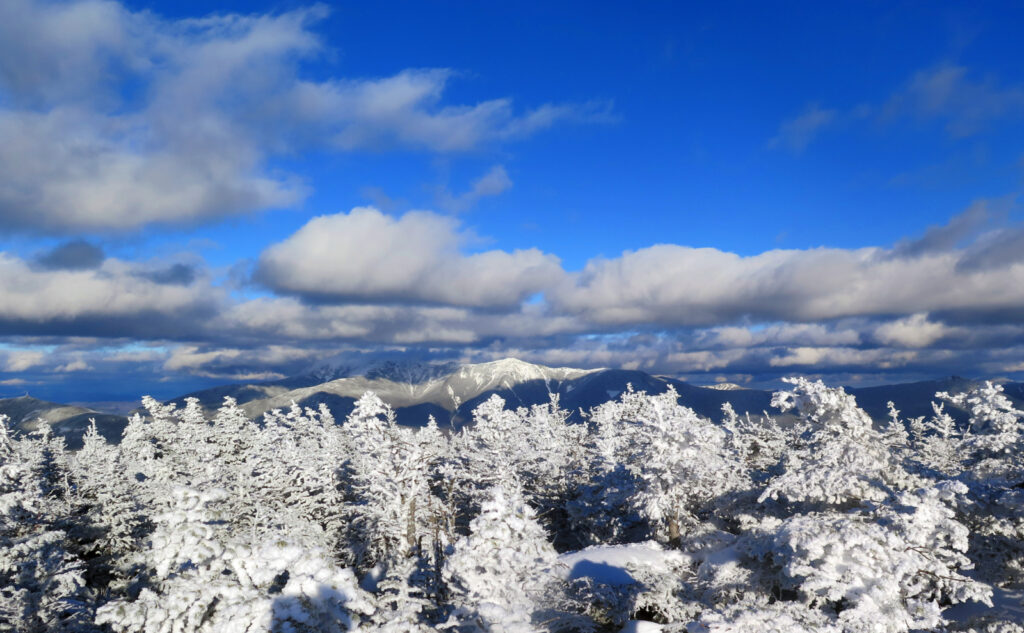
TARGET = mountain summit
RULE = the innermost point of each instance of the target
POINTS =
(450, 392)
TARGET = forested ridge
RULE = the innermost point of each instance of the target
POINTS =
(300, 522)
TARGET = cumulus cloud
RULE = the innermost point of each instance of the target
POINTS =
(112, 300)
(777, 334)
(76, 365)
(113, 119)
(366, 279)
(367, 256)
(682, 286)
(20, 360)
(913, 331)
(832, 357)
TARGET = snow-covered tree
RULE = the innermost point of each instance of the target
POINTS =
(503, 574)
(390, 471)
(885, 570)
(105, 498)
(42, 587)
(534, 448)
(994, 431)
(937, 442)
(988, 450)
(680, 462)
(212, 522)
(759, 443)
(292, 480)
(207, 581)
(844, 459)
(402, 604)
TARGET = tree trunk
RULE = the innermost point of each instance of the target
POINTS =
(674, 537)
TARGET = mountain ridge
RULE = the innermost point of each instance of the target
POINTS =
(449, 392)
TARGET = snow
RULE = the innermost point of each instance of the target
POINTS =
(1007, 605)
(641, 626)
(608, 564)
(725, 386)
(408, 385)
(251, 523)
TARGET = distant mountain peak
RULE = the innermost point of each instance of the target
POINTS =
(409, 372)
(508, 372)
(725, 386)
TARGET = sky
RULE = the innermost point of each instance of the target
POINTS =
(197, 193)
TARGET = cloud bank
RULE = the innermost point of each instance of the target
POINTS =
(367, 256)
(113, 119)
(363, 280)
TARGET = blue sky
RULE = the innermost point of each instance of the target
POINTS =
(727, 192)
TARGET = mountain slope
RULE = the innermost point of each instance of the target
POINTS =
(29, 414)
(420, 393)
(450, 392)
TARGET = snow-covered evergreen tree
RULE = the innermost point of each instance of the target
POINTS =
(844, 459)
(937, 442)
(534, 448)
(680, 461)
(994, 431)
(207, 581)
(42, 587)
(112, 520)
(292, 481)
(836, 524)
(502, 575)
(884, 570)
(390, 469)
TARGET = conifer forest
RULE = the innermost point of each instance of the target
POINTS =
(643, 517)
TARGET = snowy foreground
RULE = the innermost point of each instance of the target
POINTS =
(645, 518)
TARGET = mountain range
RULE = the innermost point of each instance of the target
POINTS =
(449, 392)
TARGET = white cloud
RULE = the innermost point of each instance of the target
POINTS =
(682, 286)
(75, 365)
(211, 101)
(703, 360)
(913, 331)
(830, 357)
(111, 300)
(20, 360)
(367, 256)
(191, 358)
(404, 110)
(779, 334)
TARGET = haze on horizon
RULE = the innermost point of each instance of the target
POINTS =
(727, 193)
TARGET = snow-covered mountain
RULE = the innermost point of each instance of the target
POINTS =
(420, 390)
(449, 392)
(29, 414)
